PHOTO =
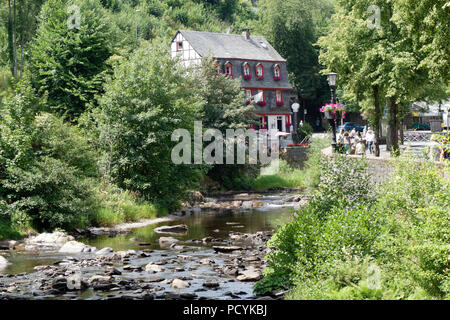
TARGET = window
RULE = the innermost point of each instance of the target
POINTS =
(247, 74)
(228, 69)
(179, 45)
(248, 95)
(262, 102)
(279, 97)
(246, 69)
(277, 72)
(259, 72)
(218, 68)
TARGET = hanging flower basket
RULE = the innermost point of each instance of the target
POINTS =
(333, 111)
(328, 115)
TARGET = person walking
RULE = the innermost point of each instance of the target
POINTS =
(370, 139)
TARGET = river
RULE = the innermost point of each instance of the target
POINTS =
(192, 260)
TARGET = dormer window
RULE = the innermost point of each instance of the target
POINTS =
(247, 74)
(277, 72)
(259, 72)
(228, 69)
(279, 97)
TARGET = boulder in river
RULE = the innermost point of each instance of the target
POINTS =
(171, 229)
(167, 241)
(226, 249)
(76, 247)
(250, 274)
(54, 239)
(104, 251)
(3, 263)
(153, 268)
(211, 284)
(100, 279)
(179, 284)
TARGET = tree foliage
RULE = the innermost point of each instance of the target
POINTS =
(67, 63)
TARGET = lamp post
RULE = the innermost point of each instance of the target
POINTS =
(332, 83)
(295, 106)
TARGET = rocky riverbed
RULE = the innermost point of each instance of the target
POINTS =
(205, 255)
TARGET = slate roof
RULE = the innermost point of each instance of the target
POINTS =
(233, 46)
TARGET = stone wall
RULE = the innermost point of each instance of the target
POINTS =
(295, 156)
(380, 169)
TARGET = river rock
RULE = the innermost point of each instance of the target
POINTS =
(226, 249)
(206, 261)
(100, 279)
(104, 251)
(179, 284)
(153, 268)
(211, 284)
(167, 241)
(3, 263)
(250, 274)
(170, 229)
(76, 247)
(54, 239)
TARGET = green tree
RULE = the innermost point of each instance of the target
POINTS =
(379, 64)
(67, 62)
(293, 27)
(147, 99)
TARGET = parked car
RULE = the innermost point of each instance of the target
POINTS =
(421, 126)
(349, 126)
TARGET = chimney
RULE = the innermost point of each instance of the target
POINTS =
(246, 33)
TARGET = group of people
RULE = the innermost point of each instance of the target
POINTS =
(354, 142)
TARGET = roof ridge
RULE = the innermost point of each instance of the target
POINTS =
(221, 33)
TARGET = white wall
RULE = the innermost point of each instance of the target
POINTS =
(188, 55)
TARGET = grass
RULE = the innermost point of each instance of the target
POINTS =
(119, 206)
(288, 177)
(7, 232)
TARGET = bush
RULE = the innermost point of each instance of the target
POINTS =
(304, 131)
(349, 244)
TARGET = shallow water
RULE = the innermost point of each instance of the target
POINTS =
(201, 225)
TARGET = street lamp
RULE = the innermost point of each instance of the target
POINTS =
(332, 77)
(295, 106)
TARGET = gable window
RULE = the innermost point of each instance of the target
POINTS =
(228, 69)
(259, 72)
(279, 97)
(277, 72)
(247, 74)
(179, 45)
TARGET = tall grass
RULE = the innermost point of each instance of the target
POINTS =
(288, 177)
(119, 206)
(7, 231)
